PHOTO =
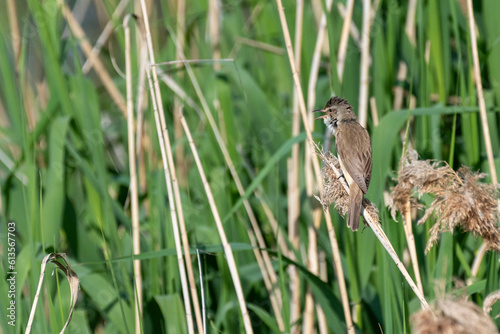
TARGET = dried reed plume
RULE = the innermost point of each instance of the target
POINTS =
(333, 191)
(460, 200)
(452, 316)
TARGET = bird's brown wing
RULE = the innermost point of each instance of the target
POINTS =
(355, 149)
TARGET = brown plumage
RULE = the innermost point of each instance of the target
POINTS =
(354, 150)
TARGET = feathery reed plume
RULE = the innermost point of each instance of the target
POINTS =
(460, 200)
(452, 316)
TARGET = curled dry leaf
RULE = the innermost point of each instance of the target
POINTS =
(491, 299)
(452, 316)
(460, 200)
(60, 261)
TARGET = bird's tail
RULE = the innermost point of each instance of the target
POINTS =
(355, 203)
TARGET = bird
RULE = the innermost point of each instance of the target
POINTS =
(354, 151)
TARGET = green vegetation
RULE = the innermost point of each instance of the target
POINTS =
(64, 171)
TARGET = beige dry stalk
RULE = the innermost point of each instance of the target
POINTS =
(482, 105)
(182, 163)
(365, 64)
(136, 239)
(294, 195)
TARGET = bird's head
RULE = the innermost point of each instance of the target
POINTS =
(336, 109)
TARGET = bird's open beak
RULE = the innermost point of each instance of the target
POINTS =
(320, 117)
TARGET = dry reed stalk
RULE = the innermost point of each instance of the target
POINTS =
(293, 185)
(364, 80)
(136, 238)
(336, 191)
(293, 201)
(141, 106)
(182, 163)
(213, 23)
(181, 38)
(339, 271)
(227, 247)
(323, 274)
(103, 37)
(296, 80)
(14, 31)
(168, 164)
(410, 239)
(353, 30)
(315, 63)
(410, 21)
(98, 66)
(313, 267)
(374, 110)
(398, 89)
(482, 106)
(477, 260)
(427, 52)
(344, 38)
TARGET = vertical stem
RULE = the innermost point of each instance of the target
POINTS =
(410, 21)
(344, 38)
(14, 31)
(410, 239)
(322, 325)
(298, 87)
(181, 162)
(479, 86)
(339, 271)
(293, 182)
(136, 238)
(365, 63)
(482, 111)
